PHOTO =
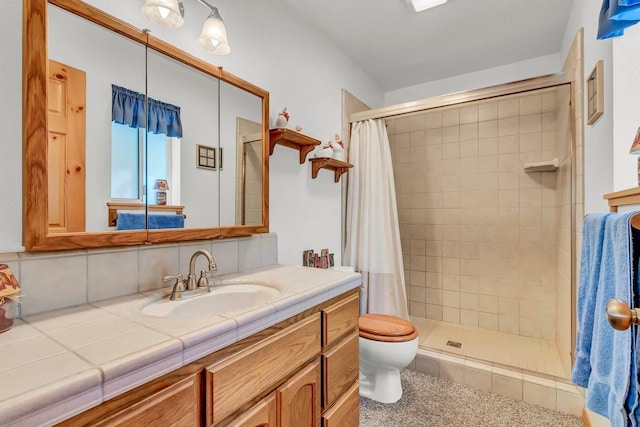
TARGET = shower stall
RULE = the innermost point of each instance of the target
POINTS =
(486, 198)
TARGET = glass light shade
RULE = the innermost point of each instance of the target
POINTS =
(163, 12)
(420, 5)
(213, 38)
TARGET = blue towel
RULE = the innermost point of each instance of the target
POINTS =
(136, 221)
(606, 358)
(130, 221)
(166, 221)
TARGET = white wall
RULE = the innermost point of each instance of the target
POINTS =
(598, 147)
(273, 48)
(543, 65)
(11, 124)
(626, 105)
(73, 41)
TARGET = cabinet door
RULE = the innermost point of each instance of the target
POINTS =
(340, 369)
(299, 399)
(263, 414)
(237, 380)
(346, 411)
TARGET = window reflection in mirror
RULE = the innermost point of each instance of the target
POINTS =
(129, 168)
(194, 95)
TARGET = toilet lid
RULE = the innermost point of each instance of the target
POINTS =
(382, 327)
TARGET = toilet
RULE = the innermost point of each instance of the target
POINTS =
(387, 344)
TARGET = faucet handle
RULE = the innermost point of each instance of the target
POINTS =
(203, 282)
(177, 278)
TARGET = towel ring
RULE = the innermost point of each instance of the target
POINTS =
(620, 315)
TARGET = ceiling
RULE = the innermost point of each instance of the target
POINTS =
(399, 48)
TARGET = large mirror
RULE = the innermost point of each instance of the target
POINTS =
(135, 141)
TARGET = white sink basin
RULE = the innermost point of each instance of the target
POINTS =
(221, 299)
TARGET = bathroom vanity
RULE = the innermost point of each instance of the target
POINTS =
(292, 361)
(295, 373)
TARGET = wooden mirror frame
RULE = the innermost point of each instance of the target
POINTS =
(35, 234)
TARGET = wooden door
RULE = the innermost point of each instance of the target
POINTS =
(263, 414)
(66, 96)
(299, 399)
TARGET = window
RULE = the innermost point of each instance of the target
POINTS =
(127, 161)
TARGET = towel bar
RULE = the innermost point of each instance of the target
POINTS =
(620, 315)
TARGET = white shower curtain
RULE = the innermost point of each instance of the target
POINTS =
(373, 235)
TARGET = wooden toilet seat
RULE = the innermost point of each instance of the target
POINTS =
(385, 328)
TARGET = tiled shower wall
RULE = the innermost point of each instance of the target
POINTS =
(478, 233)
(564, 226)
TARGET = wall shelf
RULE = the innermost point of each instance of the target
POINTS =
(292, 139)
(547, 166)
(337, 166)
(630, 196)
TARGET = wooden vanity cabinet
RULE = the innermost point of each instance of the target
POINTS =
(263, 414)
(301, 372)
(346, 412)
(299, 399)
(171, 404)
(340, 365)
(246, 375)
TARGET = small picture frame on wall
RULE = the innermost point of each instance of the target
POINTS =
(205, 157)
(595, 93)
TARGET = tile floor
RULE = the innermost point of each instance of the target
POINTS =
(526, 353)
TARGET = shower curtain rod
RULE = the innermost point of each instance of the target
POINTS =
(535, 83)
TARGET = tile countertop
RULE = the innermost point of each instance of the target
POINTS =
(58, 364)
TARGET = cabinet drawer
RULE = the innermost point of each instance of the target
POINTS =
(339, 319)
(346, 411)
(244, 376)
(262, 414)
(340, 369)
(176, 405)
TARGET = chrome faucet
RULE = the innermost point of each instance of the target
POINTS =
(189, 287)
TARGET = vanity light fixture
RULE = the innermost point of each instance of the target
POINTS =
(170, 14)
(420, 5)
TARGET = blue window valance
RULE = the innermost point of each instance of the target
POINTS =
(128, 108)
(616, 15)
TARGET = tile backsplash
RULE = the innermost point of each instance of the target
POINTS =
(56, 280)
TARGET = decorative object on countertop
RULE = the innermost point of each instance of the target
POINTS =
(161, 186)
(282, 119)
(298, 128)
(338, 148)
(322, 260)
(9, 296)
